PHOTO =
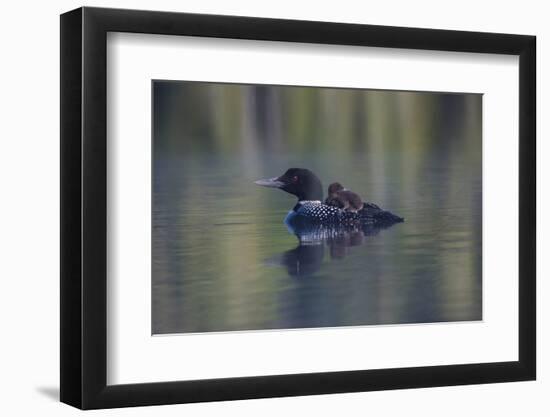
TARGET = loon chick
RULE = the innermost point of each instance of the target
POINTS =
(342, 198)
(305, 185)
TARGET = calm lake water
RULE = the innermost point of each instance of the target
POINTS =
(223, 258)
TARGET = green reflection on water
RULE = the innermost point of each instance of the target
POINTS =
(221, 250)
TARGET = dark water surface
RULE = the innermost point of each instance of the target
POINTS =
(224, 260)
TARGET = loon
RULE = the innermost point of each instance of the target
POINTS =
(305, 185)
(343, 198)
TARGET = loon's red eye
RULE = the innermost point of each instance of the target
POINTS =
(295, 179)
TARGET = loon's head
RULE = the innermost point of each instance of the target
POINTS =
(334, 188)
(301, 182)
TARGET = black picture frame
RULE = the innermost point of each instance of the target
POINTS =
(84, 207)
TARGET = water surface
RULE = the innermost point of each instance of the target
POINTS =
(224, 260)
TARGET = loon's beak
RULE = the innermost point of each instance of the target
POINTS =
(270, 182)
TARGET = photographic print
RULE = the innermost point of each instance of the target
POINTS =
(295, 207)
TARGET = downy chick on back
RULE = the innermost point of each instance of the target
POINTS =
(342, 198)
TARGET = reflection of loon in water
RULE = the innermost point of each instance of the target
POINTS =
(306, 258)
